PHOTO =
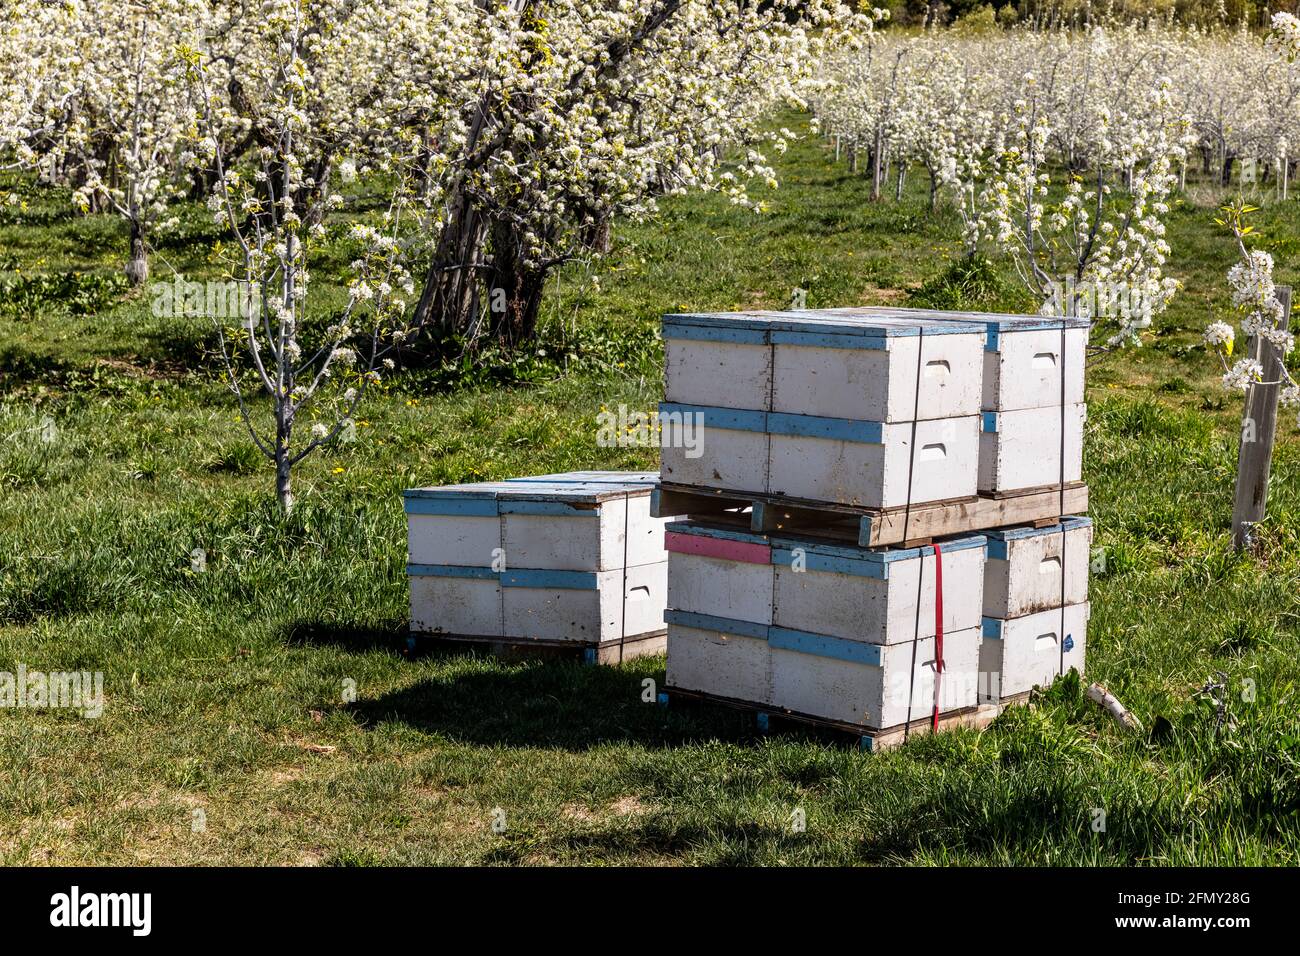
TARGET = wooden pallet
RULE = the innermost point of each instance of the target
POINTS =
(872, 527)
(512, 649)
(869, 738)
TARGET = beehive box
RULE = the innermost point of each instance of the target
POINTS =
(1028, 359)
(1022, 449)
(819, 405)
(1033, 569)
(830, 678)
(1020, 653)
(574, 557)
(854, 364)
(825, 630)
(836, 590)
(821, 459)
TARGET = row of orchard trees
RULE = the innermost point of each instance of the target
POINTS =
(1065, 148)
(507, 133)
(521, 126)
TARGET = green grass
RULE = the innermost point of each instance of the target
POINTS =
(225, 688)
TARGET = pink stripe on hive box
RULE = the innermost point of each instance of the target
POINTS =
(747, 551)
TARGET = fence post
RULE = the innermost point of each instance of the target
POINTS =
(1258, 428)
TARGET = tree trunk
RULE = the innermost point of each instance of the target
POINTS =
(877, 160)
(283, 464)
(283, 492)
(514, 289)
(137, 267)
(449, 299)
(934, 191)
(597, 236)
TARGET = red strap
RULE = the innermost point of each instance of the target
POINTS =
(938, 635)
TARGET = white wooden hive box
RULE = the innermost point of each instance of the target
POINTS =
(1020, 653)
(854, 364)
(1022, 449)
(859, 594)
(1033, 569)
(572, 557)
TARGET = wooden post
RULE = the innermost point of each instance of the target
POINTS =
(1258, 428)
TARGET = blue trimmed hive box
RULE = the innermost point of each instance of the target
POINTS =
(1035, 605)
(1032, 398)
(572, 558)
(834, 632)
(824, 405)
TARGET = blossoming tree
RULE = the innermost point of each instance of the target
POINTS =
(583, 110)
(276, 205)
(114, 122)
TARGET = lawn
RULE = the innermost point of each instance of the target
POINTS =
(226, 737)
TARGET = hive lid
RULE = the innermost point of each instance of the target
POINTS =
(1005, 322)
(1014, 534)
(866, 324)
(574, 486)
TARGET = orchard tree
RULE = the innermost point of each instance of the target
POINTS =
(114, 126)
(1100, 233)
(378, 76)
(1254, 290)
(276, 204)
(580, 111)
(34, 39)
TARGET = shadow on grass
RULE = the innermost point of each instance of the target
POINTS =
(354, 638)
(38, 217)
(20, 365)
(555, 705)
(725, 842)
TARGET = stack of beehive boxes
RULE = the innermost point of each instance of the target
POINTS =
(572, 560)
(881, 409)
